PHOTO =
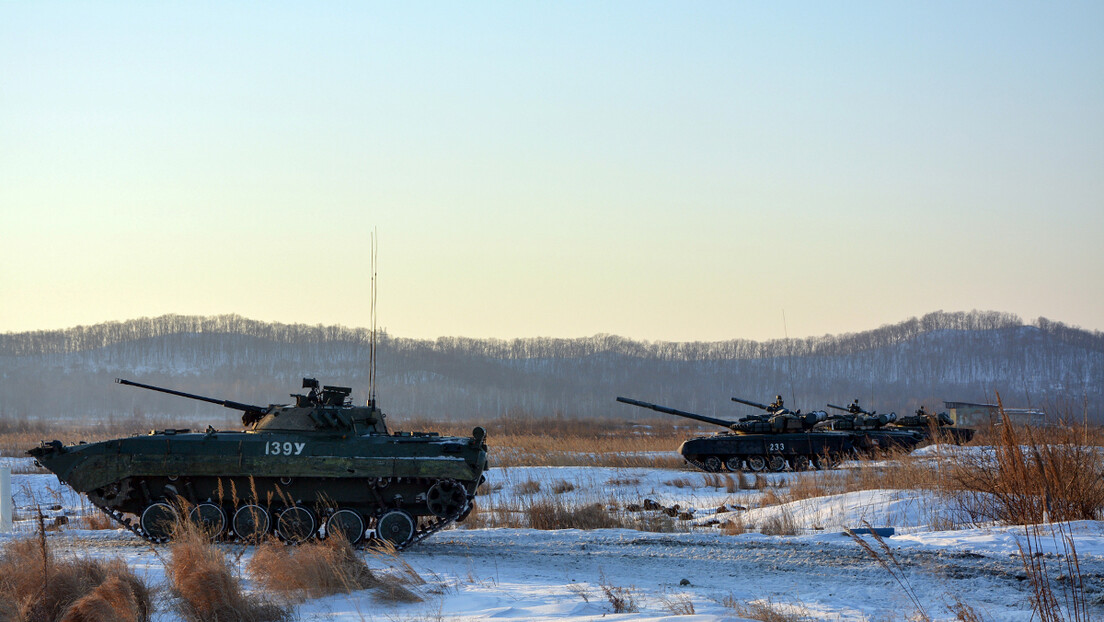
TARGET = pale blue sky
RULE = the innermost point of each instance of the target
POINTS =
(674, 171)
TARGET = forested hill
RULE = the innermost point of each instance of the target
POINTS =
(941, 356)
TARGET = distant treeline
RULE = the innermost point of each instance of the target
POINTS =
(940, 356)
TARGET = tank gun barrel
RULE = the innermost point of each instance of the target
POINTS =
(226, 403)
(751, 403)
(861, 410)
(675, 411)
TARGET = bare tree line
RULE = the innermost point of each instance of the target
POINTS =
(954, 356)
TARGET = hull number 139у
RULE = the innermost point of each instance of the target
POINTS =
(284, 449)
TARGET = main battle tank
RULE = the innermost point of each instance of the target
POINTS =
(775, 441)
(315, 467)
(874, 433)
(935, 426)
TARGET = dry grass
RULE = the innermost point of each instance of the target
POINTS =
(562, 486)
(621, 599)
(205, 586)
(560, 441)
(317, 568)
(781, 525)
(764, 611)
(677, 604)
(549, 511)
(553, 513)
(528, 487)
(1032, 476)
(96, 520)
(34, 585)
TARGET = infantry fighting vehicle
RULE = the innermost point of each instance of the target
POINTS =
(316, 467)
(775, 441)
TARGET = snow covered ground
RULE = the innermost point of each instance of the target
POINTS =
(525, 574)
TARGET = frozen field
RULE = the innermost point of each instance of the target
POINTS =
(525, 574)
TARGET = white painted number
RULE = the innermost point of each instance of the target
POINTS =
(776, 447)
(276, 448)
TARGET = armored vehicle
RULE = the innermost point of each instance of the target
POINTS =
(778, 440)
(934, 426)
(928, 425)
(877, 431)
(316, 467)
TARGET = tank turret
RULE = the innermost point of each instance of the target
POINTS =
(326, 409)
(854, 417)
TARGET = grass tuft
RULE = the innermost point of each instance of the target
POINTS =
(205, 586)
(34, 585)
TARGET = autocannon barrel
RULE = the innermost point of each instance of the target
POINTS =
(226, 403)
(676, 412)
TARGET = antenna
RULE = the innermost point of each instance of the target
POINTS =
(372, 346)
(789, 356)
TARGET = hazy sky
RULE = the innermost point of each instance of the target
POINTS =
(667, 171)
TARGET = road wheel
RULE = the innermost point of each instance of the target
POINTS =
(757, 463)
(735, 463)
(251, 523)
(295, 525)
(158, 520)
(396, 527)
(210, 518)
(777, 463)
(346, 522)
(712, 464)
(801, 463)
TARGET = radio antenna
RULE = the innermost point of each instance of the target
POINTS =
(789, 356)
(372, 344)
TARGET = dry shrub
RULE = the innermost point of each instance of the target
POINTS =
(782, 524)
(97, 521)
(677, 604)
(742, 481)
(205, 586)
(810, 486)
(121, 597)
(680, 482)
(549, 513)
(36, 586)
(1071, 602)
(1032, 476)
(562, 486)
(528, 487)
(763, 611)
(771, 497)
(623, 481)
(316, 568)
(622, 599)
(734, 527)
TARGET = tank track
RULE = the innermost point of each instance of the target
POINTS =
(437, 524)
(701, 465)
